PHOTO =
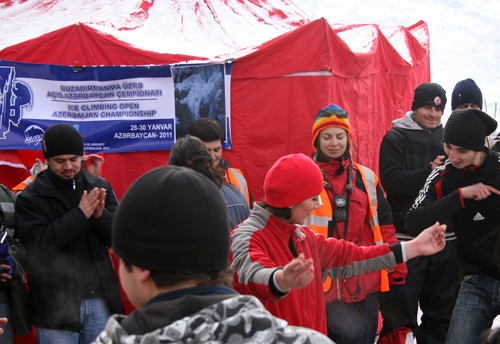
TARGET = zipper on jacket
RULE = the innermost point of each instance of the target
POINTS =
(74, 185)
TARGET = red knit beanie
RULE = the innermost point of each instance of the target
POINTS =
(330, 116)
(291, 180)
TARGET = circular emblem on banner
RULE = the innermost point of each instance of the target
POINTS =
(34, 135)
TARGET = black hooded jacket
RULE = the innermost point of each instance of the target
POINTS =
(67, 254)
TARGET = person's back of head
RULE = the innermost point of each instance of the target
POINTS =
(173, 222)
(206, 129)
(190, 152)
(466, 94)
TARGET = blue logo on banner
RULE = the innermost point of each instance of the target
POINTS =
(14, 95)
(34, 135)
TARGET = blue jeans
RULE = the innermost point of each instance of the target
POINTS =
(94, 314)
(477, 305)
(8, 330)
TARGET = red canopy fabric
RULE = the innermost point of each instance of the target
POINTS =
(276, 90)
(82, 45)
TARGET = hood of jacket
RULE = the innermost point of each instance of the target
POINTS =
(239, 319)
(407, 122)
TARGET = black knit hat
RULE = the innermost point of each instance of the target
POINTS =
(172, 219)
(466, 91)
(467, 128)
(61, 139)
(429, 94)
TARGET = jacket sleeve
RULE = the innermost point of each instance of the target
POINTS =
(35, 230)
(343, 259)
(427, 208)
(396, 179)
(253, 266)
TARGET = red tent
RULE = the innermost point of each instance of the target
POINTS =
(276, 89)
(82, 45)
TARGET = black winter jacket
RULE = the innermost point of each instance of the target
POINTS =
(405, 153)
(476, 223)
(61, 245)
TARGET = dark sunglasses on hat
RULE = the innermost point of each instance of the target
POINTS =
(329, 112)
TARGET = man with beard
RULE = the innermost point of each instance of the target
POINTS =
(64, 222)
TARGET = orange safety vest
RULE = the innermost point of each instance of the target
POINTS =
(235, 177)
(19, 187)
(319, 218)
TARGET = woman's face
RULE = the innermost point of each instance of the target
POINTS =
(302, 210)
(332, 142)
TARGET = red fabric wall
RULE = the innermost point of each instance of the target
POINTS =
(276, 92)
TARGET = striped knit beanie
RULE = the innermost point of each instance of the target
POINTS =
(330, 116)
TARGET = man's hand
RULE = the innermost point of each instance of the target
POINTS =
(100, 206)
(4, 277)
(89, 202)
(430, 241)
(478, 191)
(93, 164)
(3, 321)
(297, 274)
(437, 162)
(41, 166)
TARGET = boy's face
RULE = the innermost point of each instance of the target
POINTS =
(467, 106)
(461, 157)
